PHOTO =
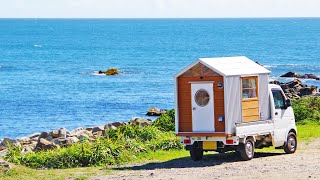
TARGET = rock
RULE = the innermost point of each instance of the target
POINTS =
(97, 128)
(117, 124)
(61, 133)
(89, 128)
(43, 135)
(305, 76)
(113, 125)
(313, 76)
(49, 138)
(295, 89)
(10, 142)
(4, 164)
(65, 141)
(308, 91)
(83, 136)
(34, 135)
(24, 140)
(77, 130)
(140, 121)
(44, 144)
(26, 150)
(291, 74)
(73, 139)
(110, 71)
(155, 111)
(98, 133)
(55, 133)
(80, 133)
(2, 147)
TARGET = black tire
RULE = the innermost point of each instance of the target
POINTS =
(196, 153)
(247, 149)
(290, 146)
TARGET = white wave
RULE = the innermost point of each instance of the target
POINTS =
(95, 73)
(37, 45)
(269, 66)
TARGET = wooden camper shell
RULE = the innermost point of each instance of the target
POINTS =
(230, 103)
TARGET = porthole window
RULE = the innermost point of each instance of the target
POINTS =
(202, 97)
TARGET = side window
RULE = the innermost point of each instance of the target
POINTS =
(249, 87)
(279, 101)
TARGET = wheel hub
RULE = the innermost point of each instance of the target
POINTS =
(249, 149)
(291, 143)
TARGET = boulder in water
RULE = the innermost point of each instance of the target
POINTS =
(109, 72)
(305, 76)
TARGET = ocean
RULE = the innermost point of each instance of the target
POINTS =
(48, 67)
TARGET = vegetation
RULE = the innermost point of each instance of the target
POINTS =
(166, 121)
(121, 145)
(131, 143)
(307, 110)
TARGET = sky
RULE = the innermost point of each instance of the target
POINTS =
(158, 8)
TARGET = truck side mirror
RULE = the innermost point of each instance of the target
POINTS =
(288, 103)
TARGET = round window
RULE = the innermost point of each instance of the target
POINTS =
(202, 97)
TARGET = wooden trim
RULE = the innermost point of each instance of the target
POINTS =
(257, 86)
(250, 99)
(212, 134)
(200, 82)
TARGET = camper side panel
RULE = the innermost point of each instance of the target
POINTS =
(264, 97)
(233, 107)
(184, 101)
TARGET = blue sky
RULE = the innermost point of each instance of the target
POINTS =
(157, 8)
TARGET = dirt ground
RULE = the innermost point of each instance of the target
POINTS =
(304, 164)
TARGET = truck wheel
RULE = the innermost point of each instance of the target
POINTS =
(196, 153)
(247, 149)
(291, 144)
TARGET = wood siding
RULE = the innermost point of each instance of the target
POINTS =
(199, 73)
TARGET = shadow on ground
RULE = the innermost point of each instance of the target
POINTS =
(186, 162)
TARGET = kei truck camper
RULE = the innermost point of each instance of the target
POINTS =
(225, 104)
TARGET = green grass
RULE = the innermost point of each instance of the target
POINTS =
(23, 172)
(309, 131)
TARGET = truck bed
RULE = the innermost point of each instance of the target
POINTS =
(261, 127)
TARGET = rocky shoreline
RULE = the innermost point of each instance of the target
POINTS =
(295, 89)
(62, 137)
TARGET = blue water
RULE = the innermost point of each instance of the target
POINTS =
(47, 78)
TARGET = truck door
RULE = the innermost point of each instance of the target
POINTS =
(280, 117)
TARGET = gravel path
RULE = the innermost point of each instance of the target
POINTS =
(304, 164)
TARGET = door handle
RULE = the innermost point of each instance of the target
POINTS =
(276, 113)
(194, 108)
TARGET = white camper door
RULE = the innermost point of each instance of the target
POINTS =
(202, 107)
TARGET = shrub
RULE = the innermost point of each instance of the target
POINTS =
(166, 122)
(307, 109)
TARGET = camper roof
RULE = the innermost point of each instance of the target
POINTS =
(230, 66)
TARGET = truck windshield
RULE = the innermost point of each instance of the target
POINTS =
(279, 101)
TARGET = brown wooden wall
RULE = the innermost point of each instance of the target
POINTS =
(184, 97)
